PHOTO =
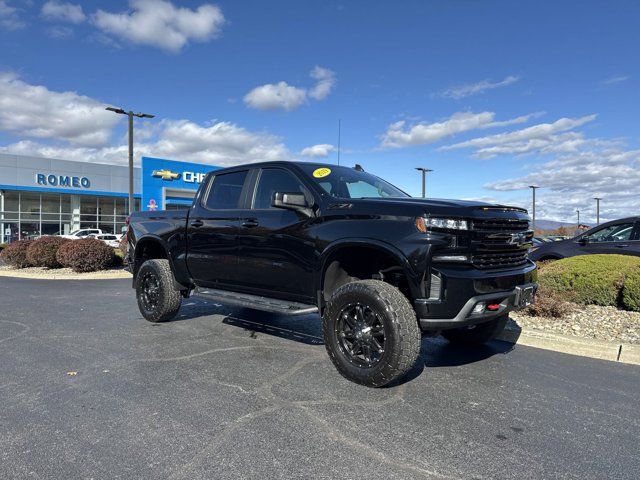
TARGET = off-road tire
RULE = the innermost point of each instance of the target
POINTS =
(168, 301)
(402, 333)
(478, 334)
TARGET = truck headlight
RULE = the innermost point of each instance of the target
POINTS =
(425, 223)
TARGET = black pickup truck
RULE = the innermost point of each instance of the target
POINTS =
(379, 266)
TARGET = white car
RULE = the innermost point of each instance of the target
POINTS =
(108, 238)
(83, 233)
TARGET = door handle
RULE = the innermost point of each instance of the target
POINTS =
(197, 223)
(250, 223)
(623, 245)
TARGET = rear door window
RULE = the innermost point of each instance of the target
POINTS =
(225, 192)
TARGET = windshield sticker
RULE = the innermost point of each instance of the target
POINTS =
(321, 172)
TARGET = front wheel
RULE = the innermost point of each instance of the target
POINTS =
(371, 333)
(477, 334)
(157, 299)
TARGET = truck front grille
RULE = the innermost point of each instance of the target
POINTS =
(500, 225)
(498, 243)
(485, 261)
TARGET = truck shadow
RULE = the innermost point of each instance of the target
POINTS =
(307, 329)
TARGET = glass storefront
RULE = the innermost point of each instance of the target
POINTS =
(31, 214)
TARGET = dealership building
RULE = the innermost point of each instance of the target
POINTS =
(46, 196)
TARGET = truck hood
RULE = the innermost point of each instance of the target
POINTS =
(434, 206)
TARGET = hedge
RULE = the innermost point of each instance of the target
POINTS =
(631, 291)
(594, 279)
(42, 252)
(86, 255)
(15, 254)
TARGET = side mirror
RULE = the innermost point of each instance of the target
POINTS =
(291, 201)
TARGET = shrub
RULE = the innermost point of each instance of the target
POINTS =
(15, 254)
(589, 279)
(118, 257)
(124, 245)
(550, 304)
(631, 291)
(2, 246)
(85, 255)
(42, 252)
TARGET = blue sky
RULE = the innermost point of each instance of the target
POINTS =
(493, 96)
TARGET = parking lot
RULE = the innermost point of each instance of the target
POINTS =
(91, 390)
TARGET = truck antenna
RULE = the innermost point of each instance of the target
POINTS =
(338, 141)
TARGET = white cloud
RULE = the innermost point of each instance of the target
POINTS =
(282, 96)
(9, 17)
(527, 139)
(220, 143)
(398, 134)
(63, 12)
(75, 127)
(159, 23)
(570, 182)
(326, 80)
(318, 151)
(615, 79)
(276, 96)
(462, 91)
(35, 111)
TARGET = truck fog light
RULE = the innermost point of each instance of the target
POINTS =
(450, 258)
(479, 308)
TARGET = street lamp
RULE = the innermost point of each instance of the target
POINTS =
(424, 178)
(597, 199)
(130, 114)
(578, 211)
(533, 190)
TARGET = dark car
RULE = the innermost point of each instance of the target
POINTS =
(378, 265)
(618, 237)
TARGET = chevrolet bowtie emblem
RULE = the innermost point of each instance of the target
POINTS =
(165, 175)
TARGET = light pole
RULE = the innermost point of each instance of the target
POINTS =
(597, 199)
(533, 190)
(424, 179)
(578, 211)
(130, 114)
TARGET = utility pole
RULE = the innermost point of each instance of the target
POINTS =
(597, 199)
(533, 190)
(424, 179)
(578, 211)
(130, 114)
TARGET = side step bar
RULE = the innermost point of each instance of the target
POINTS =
(256, 302)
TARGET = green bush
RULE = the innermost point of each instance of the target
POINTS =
(589, 279)
(118, 257)
(86, 255)
(15, 254)
(631, 291)
(42, 252)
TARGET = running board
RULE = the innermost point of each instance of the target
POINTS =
(256, 302)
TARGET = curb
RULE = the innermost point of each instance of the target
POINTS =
(584, 347)
(118, 274)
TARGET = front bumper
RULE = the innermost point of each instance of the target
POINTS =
(463, 288)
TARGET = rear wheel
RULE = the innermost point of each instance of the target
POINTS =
(157, 299)
(477, 334)
(371, 333)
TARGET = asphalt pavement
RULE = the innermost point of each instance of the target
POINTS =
(89, 389)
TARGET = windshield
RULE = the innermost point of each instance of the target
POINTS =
(345, 182)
